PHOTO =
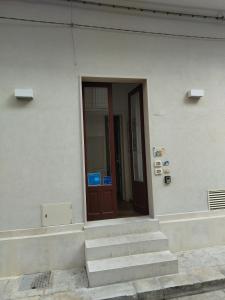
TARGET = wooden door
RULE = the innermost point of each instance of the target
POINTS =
(137, 151)
(99, 151)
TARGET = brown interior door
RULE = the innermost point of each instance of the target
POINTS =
(137, 150)
(99, 151)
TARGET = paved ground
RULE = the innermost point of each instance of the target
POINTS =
(207, 257)
(217, 295)
(72, 284)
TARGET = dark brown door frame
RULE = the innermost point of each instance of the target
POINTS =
(142, 205)
(118, 142)
(102, 214)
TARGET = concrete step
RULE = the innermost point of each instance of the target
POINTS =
(125, 245)
(164, 287)
(126, 268)
(120, 226)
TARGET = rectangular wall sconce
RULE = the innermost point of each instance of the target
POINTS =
(195, 93)
(24, 94)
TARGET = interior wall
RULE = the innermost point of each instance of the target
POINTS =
(41, 141)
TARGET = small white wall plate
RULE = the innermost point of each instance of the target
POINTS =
(158, 171)
(157, 163)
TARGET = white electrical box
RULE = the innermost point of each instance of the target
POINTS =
(24, 94)
(56, 214)
(196, 93)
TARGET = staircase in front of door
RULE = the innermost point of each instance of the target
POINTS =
(126, 249)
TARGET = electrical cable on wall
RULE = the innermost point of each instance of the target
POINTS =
(72, 35)
(109, 28)
(148, 10)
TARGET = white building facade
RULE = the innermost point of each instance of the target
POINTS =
(43, 195)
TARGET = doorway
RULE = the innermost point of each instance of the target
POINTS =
(115, 165)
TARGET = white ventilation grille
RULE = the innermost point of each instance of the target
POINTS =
(216, 199)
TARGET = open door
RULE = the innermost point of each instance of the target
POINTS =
(99, 151)
(137, 150)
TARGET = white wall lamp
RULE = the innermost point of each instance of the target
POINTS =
(24, 94)
(195, 94)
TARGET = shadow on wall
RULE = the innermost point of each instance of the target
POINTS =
(191, 101)
(13, 102)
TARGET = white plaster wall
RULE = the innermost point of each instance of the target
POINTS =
(188, 231)
(191, 132)
(40, 142)
(27, 252)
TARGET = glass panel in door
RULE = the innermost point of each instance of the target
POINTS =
(97, 136)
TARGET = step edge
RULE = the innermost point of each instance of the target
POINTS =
(127, 243)
(123, 219)
(124, 241)
(164, 252)
(120, 221)
(130, 267)
(171, 258)
(91, 256)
